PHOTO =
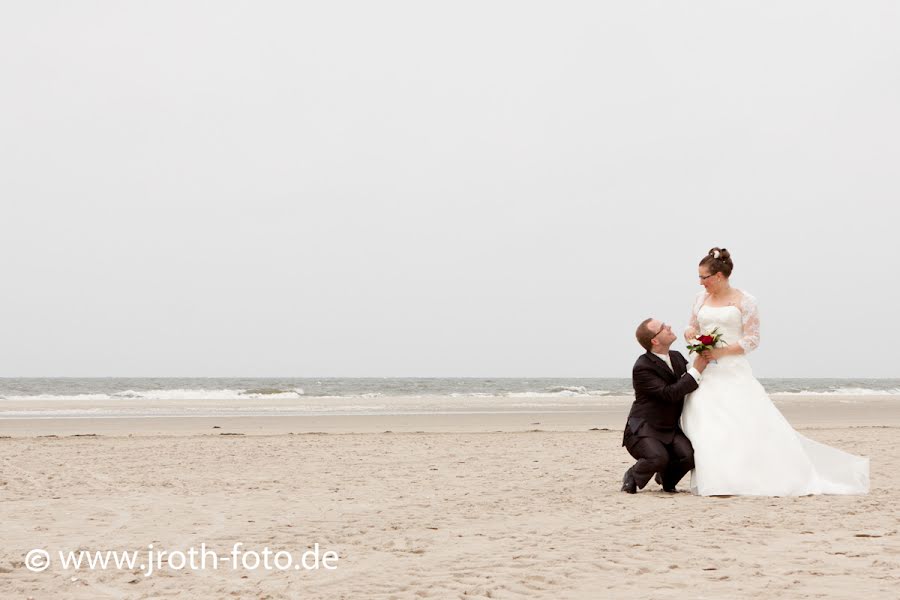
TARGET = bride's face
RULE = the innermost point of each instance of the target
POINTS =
(710, 281)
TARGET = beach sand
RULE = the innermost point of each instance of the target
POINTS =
(441, 506)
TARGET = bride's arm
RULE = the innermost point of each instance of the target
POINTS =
(750, 319)
(693, 327)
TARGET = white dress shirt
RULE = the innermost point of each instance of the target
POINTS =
(692, 371)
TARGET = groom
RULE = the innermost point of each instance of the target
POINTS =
(661, 380)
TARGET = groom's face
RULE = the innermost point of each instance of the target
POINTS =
(664, 335)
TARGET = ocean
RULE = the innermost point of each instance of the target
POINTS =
(111, 397)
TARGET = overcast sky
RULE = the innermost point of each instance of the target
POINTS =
(442, 189)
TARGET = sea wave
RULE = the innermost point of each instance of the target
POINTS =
(559, 392)
(574, 389)
(843, 391)
(285, 394)
(271, 392)
(173, 394)
(190, 411)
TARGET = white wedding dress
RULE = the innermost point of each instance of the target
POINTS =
(743, 445)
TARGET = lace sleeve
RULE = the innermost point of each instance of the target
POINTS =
(750, 319)
(694, 323)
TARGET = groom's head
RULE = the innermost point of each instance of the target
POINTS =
(655, 336)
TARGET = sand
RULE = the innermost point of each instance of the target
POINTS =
(453, 506)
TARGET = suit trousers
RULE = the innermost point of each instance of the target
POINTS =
(672, 461)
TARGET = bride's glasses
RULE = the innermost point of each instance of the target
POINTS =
(705, 277)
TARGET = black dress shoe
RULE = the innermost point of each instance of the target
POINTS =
(629, 485)
(658, 479)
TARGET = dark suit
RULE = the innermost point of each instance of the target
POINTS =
(652, 434)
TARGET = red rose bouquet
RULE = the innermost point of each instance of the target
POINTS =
(707, 341)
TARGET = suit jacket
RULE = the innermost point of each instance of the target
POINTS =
(658, 397)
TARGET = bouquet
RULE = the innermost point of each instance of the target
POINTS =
(707, 341)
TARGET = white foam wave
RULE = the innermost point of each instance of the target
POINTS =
(845, 391)
(51, 397)
(176, 394)
(295, 400)
(193, 411)
(262, 394)
(556, 393)
(578, 390)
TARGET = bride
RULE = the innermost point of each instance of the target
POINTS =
(742, 444)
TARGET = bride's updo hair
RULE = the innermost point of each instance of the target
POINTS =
(718, 260)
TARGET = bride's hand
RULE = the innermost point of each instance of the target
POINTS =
(689, 334)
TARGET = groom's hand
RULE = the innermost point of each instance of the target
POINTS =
(700, 363)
